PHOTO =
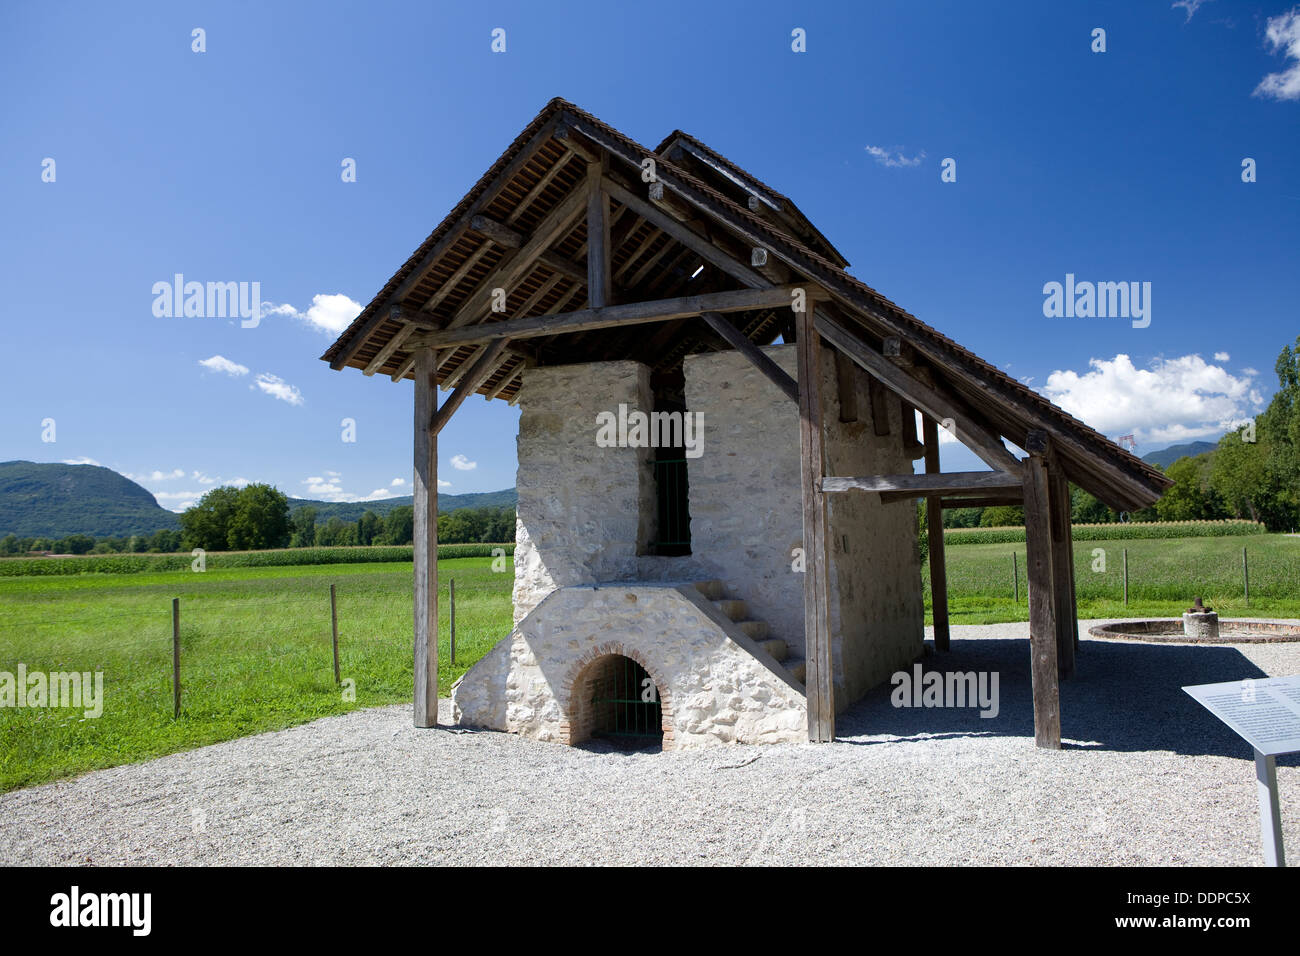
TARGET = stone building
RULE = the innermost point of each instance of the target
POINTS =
(717, 524)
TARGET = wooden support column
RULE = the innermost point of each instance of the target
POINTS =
(1042, 619)
(934, 522)
(598, 279)
(426, 541)
(816, 628)
(1062, 573)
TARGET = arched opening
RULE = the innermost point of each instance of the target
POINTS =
(614, 698)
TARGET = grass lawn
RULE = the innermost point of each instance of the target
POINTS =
(255, 653)
(1165, 575)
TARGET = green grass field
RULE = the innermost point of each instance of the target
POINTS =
(255, 653)
(256, 640)
(1165, 575)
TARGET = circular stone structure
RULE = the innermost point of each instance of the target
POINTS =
(1172, 631)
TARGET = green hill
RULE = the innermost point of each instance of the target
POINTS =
(52, 500)
(1167, 456)
(352, 510)
(47, 499)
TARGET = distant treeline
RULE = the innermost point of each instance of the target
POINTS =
(257, 517)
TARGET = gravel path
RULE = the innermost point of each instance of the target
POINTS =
(1147, 777)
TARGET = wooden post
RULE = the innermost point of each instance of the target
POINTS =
(426, 541)
(1126, 577)
(598, 279)
(451, 602)
(176, 657)
(1015, 579)
(334, 627)
(934, 525)
(1245, 575)
(1042, 618)
(817, 644)
(1062, 581)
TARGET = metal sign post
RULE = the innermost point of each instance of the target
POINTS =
(1266, 714)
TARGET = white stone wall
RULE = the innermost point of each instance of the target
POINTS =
(714, 685)
(583, 510)
(746, 514)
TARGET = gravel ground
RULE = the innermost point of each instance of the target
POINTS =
(1147, 777)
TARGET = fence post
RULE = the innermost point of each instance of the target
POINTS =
(1126, 577)
(1245, 574)
(176, 657)
(1015, 579)
(334, 627)
(451, 595)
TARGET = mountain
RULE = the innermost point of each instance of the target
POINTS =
(352, 510)
(47, 499)
(1167, 456)
(52, 500)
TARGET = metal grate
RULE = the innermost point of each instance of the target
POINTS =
(673, 508)
(625, 703)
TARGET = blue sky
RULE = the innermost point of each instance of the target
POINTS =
(225, 166)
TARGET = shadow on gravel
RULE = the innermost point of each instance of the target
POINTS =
(1123, 696)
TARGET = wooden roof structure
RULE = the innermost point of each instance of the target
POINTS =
(581, 245)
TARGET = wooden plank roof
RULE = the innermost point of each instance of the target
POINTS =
(443, 283)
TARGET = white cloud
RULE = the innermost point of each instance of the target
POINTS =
(330, 488)
(330, 312)
(1191, 6)
(1282, 34)
(277, 387)
(177, 500)
(397, 481)
(201, 478)
(237, 482)
(1222, 357)
(1176, 399)
(156, 475)
(80, 461)
(461, 463)
(894, 157)
(443, 484)
(219, 363)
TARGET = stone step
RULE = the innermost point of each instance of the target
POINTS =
(755, 629)
(798, 668)
(734, 609)
(713, 590)
(776, 647)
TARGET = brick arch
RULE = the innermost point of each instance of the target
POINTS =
(607, 649)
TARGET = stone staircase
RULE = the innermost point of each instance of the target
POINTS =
(758, 631)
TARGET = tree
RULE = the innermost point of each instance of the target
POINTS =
(303, 527)
(260, 520)
(368, 526)
(76, 544)
(1001, 516)
(399, 525)
(1190, 498)
(206, 524)
(1086, 509)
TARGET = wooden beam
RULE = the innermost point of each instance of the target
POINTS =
(630, 313)
(755, 197)
(478, 374)
(501, 234)
(820, 682)
(426, 542)
(506, 380)
(522, 206)
(934, 523)
(988, 447)
(565, 268)
(922, 486)
(1062, 573)
(775, 374)
(405, 367)
(517, 263)
(598, 252)
(846, 388)
(692, 240)
(987, 501)
(391, 346)
(1042, 616)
